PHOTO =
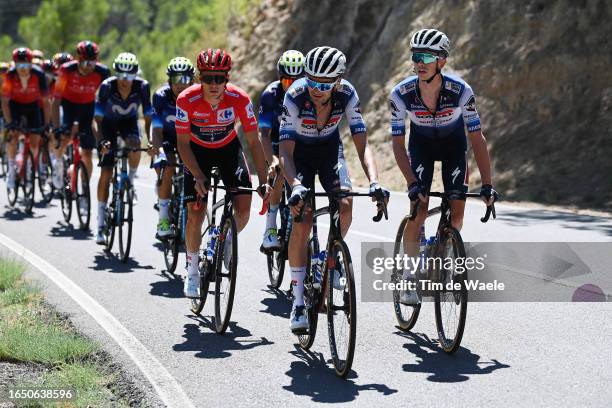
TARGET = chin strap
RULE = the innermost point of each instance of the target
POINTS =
(434, 75)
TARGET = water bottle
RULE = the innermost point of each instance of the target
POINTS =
(320, 263)
(289, 224)
(422, 249)
(213, 233)
(316, 270)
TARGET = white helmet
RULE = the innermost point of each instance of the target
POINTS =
(432, 40)
(126, 62)
(325, 62)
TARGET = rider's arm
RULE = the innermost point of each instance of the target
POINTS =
(147, 110)
(183, 138)
(58, 91)
(6, 111)
(398, 133)
(157, 123)
(477, 139)
(101, 99)
(266, 144)
(286, 148)
(46, 110)
(266, 114)
(360, 137)
(249, 127)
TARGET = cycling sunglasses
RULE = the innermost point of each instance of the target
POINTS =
(23, 65)
(126, 76)
(213, 79)
(424, 57)
(321, 86)
(87, 63)
(181, 80)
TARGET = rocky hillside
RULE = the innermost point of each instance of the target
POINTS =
(540, 70)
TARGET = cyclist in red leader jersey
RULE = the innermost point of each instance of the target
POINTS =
(23, 88)
(205, 124)
(75, 91)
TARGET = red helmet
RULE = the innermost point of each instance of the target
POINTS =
(214, 60)
(87, 50)
(22, 54)
(47, 65)
(61, 58)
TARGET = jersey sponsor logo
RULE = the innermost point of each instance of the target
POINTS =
(394, 109)
(181, 114)
(285, 111)
(471, 104)
(201, 114)
(453, 87)
(419, 171)
(225, 115)
(405, 88)
(455, 173)
(232, 94)
(357, 107)
(170, 118)
(297, 91)
(195, 98)
(132, 107)
(345, 89)
(249, 111)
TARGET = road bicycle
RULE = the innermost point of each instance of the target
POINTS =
(45, 168)
(450, 302)
(25, 172)
(75, 182)
(323, 291)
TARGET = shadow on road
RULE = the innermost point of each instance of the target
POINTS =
(68, 230)
(16, 214)
(111, 263)
(441, 366)
(279, 305)
(171, 286)
(312, 377)
(579, 222)
(200, 337)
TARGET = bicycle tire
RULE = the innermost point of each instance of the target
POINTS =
(83, 192)
(109, 228)
(222, 318)
(3, 159)
(66, 193)
(406, 315)
(307, 340)
(197, 304)
(171, 244)
(45, 171)
(125, 219)
(276, 260)
(29, 188)
(349, 307)
(13, 193)
(458, 298)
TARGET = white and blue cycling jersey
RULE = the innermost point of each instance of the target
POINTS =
(456, 110)
(299, 118)
(112, 107)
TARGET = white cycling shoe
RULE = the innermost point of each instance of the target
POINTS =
(271, 242)
(191, 288)
(299, 320)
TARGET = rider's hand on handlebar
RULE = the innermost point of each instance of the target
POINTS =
(201, 186)
(152, 150)
(264, 191)
(488, 194)
(104, 146)
(416, 190)
(295, 200)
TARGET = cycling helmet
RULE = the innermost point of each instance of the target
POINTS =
(4, 67)
(325, 62)
(290, 64)
(214, 60)
(47, 65)
(22, 54)
(87, 50)
(432, 40)
(61, 58)
(126, 62)
(180, 66)
(38, 54)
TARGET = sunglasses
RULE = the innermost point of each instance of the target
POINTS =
(23, 65)
(87, 63)
(213, 79)
(424, 57)
(321, 86)
(181, 80)
(126, 76)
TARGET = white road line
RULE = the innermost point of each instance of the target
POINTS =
(166, 386)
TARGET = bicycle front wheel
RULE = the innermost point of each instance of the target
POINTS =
(341, 308)
(204, 268)
(83, 199)
(226, 259)
(311, 296)
(45, 185)
(451, 305)
(406, 315)
(13, 193)
(125, 220)
(29, 181)
(110, 217)
(66, 193)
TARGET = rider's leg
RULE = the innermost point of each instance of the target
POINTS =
(11, 150)
(297, 256)
(87, 157)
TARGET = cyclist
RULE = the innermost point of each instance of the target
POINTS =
(4, 67)
(290, 66)
(23, 89)
(181, 73)
(440, 107)
(116, 112)
(206, 117)
(37, 57)
(60, 59)
(310, 143)
(74, 97)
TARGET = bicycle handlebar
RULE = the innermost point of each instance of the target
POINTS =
(490, 208)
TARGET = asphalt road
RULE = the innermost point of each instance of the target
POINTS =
(512, 354)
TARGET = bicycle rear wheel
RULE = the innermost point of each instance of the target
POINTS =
(204, 268)
(45, 170)
(3, 159)
(13, 193)
(312, 297)
(277, 259)
(66, 193)
(125, 218)
(226, 259)
(83, 199)
(171, 243)
(341, 310)
(451, 306)
(110, 216)
(406, 315)
(29, 181)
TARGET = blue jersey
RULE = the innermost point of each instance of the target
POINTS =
(111, 106)
(164, 111)
(271, 109)
(456, 109)
(299, 119)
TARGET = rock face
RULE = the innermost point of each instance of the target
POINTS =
(541, 71)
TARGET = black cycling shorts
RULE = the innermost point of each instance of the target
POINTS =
(451, 151)
(325, 159)
(230, 160)
(127, 129)
(26, 115)
(82, 113)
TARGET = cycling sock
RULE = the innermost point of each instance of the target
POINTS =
(192, 263)
(11, 166)
(163, 208)
(101, 211)
(132, 174)
(271, 217)
(297, 279)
